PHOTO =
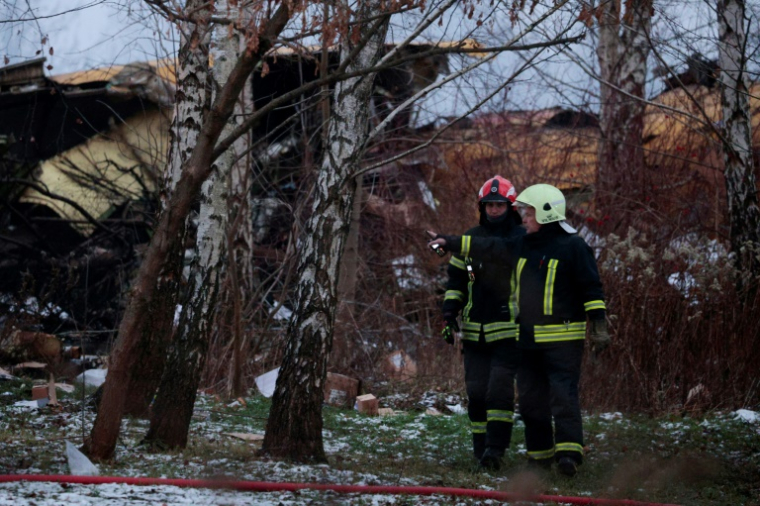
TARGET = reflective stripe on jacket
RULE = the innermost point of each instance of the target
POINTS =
(557, 282)
(486, 300)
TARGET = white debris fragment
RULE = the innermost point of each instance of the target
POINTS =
(79, 464)
(28, 404)
(266, 382)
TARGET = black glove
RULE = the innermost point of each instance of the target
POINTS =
(599, 336)
(450, 239)
(450, 327)
(451, 320)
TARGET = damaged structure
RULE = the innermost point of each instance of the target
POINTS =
(83, 155)
(82, 159)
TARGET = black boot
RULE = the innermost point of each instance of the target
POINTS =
(491, 459)
(567, 466)
(478, 445)
(540, 464)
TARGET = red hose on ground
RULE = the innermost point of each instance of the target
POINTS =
(264, 486)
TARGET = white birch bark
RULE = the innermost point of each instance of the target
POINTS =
(622, 54)
(167, 231)
(234, 167)
(294, 428)
(133, 364)
(193, 101)
(741, 186)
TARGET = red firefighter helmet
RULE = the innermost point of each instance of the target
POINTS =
(497, 189)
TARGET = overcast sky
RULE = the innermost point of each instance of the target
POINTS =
(84, 34)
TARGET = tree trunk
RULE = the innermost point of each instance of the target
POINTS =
(206, 313)
(350, 263)
(105, 432)
(623, 68)
(741, 187)
(239, 276)
(341, 356)
(190, 105)
(173, 408)
(294, 427)
(156, 335)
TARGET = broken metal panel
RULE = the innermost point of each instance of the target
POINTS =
(64, 125)
(47, 122)
(106, 171)
(22, 74)
(48, 115)
(163, 69)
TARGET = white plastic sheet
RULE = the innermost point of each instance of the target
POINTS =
(79, 464)
(266, 382)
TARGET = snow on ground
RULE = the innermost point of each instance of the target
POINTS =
(114, 494)
(747, 416)
(208, 427)
(133, 461)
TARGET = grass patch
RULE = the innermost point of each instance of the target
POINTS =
(713, 459)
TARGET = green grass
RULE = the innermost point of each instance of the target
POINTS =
(714, 459)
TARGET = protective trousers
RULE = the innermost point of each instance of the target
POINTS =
(547, 380)
(489, 370)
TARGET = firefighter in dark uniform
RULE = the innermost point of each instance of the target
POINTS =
(482, 292)
(559, 296)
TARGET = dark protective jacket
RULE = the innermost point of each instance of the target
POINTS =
(484, 297)
(557, 282)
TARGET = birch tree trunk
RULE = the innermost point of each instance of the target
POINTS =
(204, 308)
(173, 409)
(239, 278)
(195, 171)
(120, 394)
(342, 353)
(192, 70)
(741, 186)
(294, 427)
(622, 53)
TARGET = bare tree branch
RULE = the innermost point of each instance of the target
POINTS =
(62, 13)
(380, 127)
(81, 210)
(338, 76)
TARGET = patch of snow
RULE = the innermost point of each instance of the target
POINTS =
(682, 281)
(116, 494)
(408, 275)
(32, 306)
(92, 377)
(611, 416)
(457, 409)
(747, 416)
(29, 405)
